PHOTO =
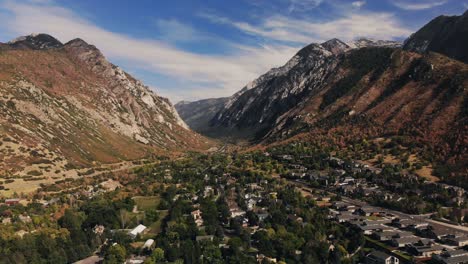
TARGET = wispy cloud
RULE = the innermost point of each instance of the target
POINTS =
(358, 4)
(281, 28)
(418, 5)
(224, 74)
(200, 75)
(303, 5)
(173, 30)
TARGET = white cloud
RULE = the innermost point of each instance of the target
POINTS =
(201, 75)
(303, 5)
(358, 4)
(225, 74)
(281, 28)
(418, 5)
(174, 30)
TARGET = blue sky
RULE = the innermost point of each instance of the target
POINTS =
(194, 49)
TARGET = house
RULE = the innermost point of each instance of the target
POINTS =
(264, 259)
(237, 212)
(262, 216)
(251, 203)
(208, 191)
(137, 230)
(401, 242)
(458, 241)
(12, 201)
(370, 229)
(25, 218)
(435, 233)
(385, 235)
(379, 257)
(424, 249)
(402, 223)
(347, 181)
(452, 257)
(344, 217)
(149, 244)
(204, 238)
(197, 217)
(370, 210)
(110, 185)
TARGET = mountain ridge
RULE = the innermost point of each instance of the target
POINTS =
(65, 106)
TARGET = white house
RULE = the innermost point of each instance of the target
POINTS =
(137, 230)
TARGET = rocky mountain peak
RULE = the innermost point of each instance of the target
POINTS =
(335, 46)
(36, 41)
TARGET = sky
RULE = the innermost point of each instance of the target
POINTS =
(196, 49)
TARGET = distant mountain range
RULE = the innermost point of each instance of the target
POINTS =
(339, 92)
(65, 105)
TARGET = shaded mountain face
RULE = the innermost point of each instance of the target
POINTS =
(447, 35)
(66, 105)
(253, 111)
(198, 114)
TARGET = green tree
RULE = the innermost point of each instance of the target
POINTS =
(115, 254)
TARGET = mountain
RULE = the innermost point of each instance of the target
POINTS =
(447, 35)
(253, 111)
(65, 106)
(365, 42)
(341, 95)
(198, 114)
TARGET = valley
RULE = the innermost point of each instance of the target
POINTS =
(352, 151)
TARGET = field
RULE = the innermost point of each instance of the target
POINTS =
(146, 202)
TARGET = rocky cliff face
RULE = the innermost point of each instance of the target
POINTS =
(447, 35)
(254, 110)
(66, 105)
(198, 114)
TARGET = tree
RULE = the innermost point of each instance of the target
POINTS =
(115, 254)
(156, 257)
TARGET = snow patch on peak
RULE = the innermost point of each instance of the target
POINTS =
(369, 42)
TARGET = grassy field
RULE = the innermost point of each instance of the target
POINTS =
(146, 202)
(155, 228)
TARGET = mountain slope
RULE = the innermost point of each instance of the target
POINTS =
(253, 111)
(340, 95)
(447, 35)
(63, 106)
(198, 114)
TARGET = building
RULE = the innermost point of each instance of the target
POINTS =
(403, 223)
(385, 235)
(149, 244)
(137, 230)
(424, 250)
(452, 257)
(204, 238)
(370, 210)
(197, 217)
(458, 241)
(379, 257)
(12, 201)
(401, 242)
